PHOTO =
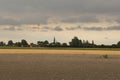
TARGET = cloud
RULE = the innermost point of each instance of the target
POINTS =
(93, 28)
(73, 28)
(12, 28)
(47, 28)
(113, 28)
(58, 12)
(116, 28)
(40, 11)
(81, 19)
(8, 21)
(57, 28)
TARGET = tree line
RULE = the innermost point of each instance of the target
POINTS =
(75, 42)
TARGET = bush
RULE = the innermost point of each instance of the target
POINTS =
(105, 56)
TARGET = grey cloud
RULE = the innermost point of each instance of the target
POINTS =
(113, 28)
(27, 20)
(117, 20)
(35, 20)
(101, 28)
(89, 18)
(73, 28)
(12, 28)
(93, 28)
(8, 21)
(36, 28)
(37, 11)
(46, 27)
(58, 28)
(81, 19)
(19, 29)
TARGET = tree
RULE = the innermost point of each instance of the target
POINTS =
(10, 43)
(24, 43)
(57, 44)
(87, 44)
(80, 43)
(33, 45)
(118, 44)
(93, 42)
(45, 43)
(2, 43)
(64, 45)
(75, 42)
(18, 44)
(40, 43)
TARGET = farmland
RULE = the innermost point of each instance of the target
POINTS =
(35, 64)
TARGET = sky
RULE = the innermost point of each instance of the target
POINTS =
(38, 20)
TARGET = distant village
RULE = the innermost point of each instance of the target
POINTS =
(75, 43)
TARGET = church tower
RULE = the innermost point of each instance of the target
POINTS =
(54, 41)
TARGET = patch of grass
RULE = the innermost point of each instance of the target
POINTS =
(61, 48)
(105, 56)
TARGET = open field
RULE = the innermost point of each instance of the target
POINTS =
(59, 48)
(47, 51)
(16, 64)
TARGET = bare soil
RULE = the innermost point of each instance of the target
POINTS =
(59, 65)
(34, 51)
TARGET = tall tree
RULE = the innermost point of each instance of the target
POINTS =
(64, 45)
(33, 45)
(46, 43)
(57, 44)
(24, 43)
(40, 43)
(43, 43)
(75, 42)
(80, 43)
(118, 44)
(2, 43)
(18, 44)
(10, 43)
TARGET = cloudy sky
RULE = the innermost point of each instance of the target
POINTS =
(34, 20)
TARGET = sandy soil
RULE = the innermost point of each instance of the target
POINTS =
(59, 65)
(28, 51)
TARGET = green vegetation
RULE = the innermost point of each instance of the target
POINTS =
(61, 48)
(105, 56)
(75, 43)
